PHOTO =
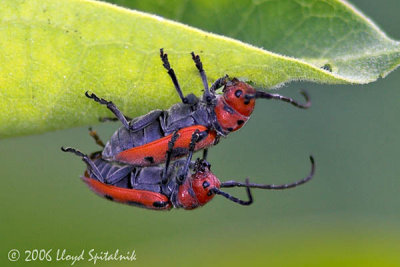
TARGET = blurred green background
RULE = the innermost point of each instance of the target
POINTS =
(347, 216)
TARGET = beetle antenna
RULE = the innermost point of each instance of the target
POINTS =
(234, 199)
(261, 94)
(273, 186)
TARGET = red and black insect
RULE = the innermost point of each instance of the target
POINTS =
(143, 141)
(183, 184)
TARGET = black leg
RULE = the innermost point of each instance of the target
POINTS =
(183, 172)
(110, 105)
(164, 59)
(88, 162)
(171, 145)
(206, 96)
(205, 153)
(96, 137)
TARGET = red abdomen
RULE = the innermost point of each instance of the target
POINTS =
(140, 198)
(155, 152)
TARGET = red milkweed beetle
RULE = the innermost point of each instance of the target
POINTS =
(143, 141)
(183, 184)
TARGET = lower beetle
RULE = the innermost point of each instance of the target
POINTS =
(182, 184)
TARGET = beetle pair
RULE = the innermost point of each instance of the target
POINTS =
(143, 141)
(162, 136)
(183, 184)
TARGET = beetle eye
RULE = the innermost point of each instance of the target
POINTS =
(247, 99)
(238, 93)
(206, 184)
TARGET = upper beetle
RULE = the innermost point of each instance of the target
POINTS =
(143, 141)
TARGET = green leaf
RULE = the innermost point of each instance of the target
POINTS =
(51, 52)
(320, 32)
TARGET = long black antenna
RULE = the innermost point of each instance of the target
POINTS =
(273, 186)
(261, 94)
(234, 199)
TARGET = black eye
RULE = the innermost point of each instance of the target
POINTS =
(206, 184)
(247, 99)
(238, 93)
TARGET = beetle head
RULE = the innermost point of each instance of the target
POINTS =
(199, 188)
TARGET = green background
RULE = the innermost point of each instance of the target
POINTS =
(347, 216)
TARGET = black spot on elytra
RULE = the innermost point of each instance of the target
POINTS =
(109, 197)
(160, 204)
(149, 159)
(230, 129)
(206, 184)
(240, 122)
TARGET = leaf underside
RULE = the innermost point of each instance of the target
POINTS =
(51, 52)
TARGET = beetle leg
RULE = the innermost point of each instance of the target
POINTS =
(205, 153)
(116, 174)
(88, 162)
(171, 73)
(140, 123)
(171, 144)
(183, 172)
(111, 106)
(143, 121)
(199, 65)
(95, 137)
